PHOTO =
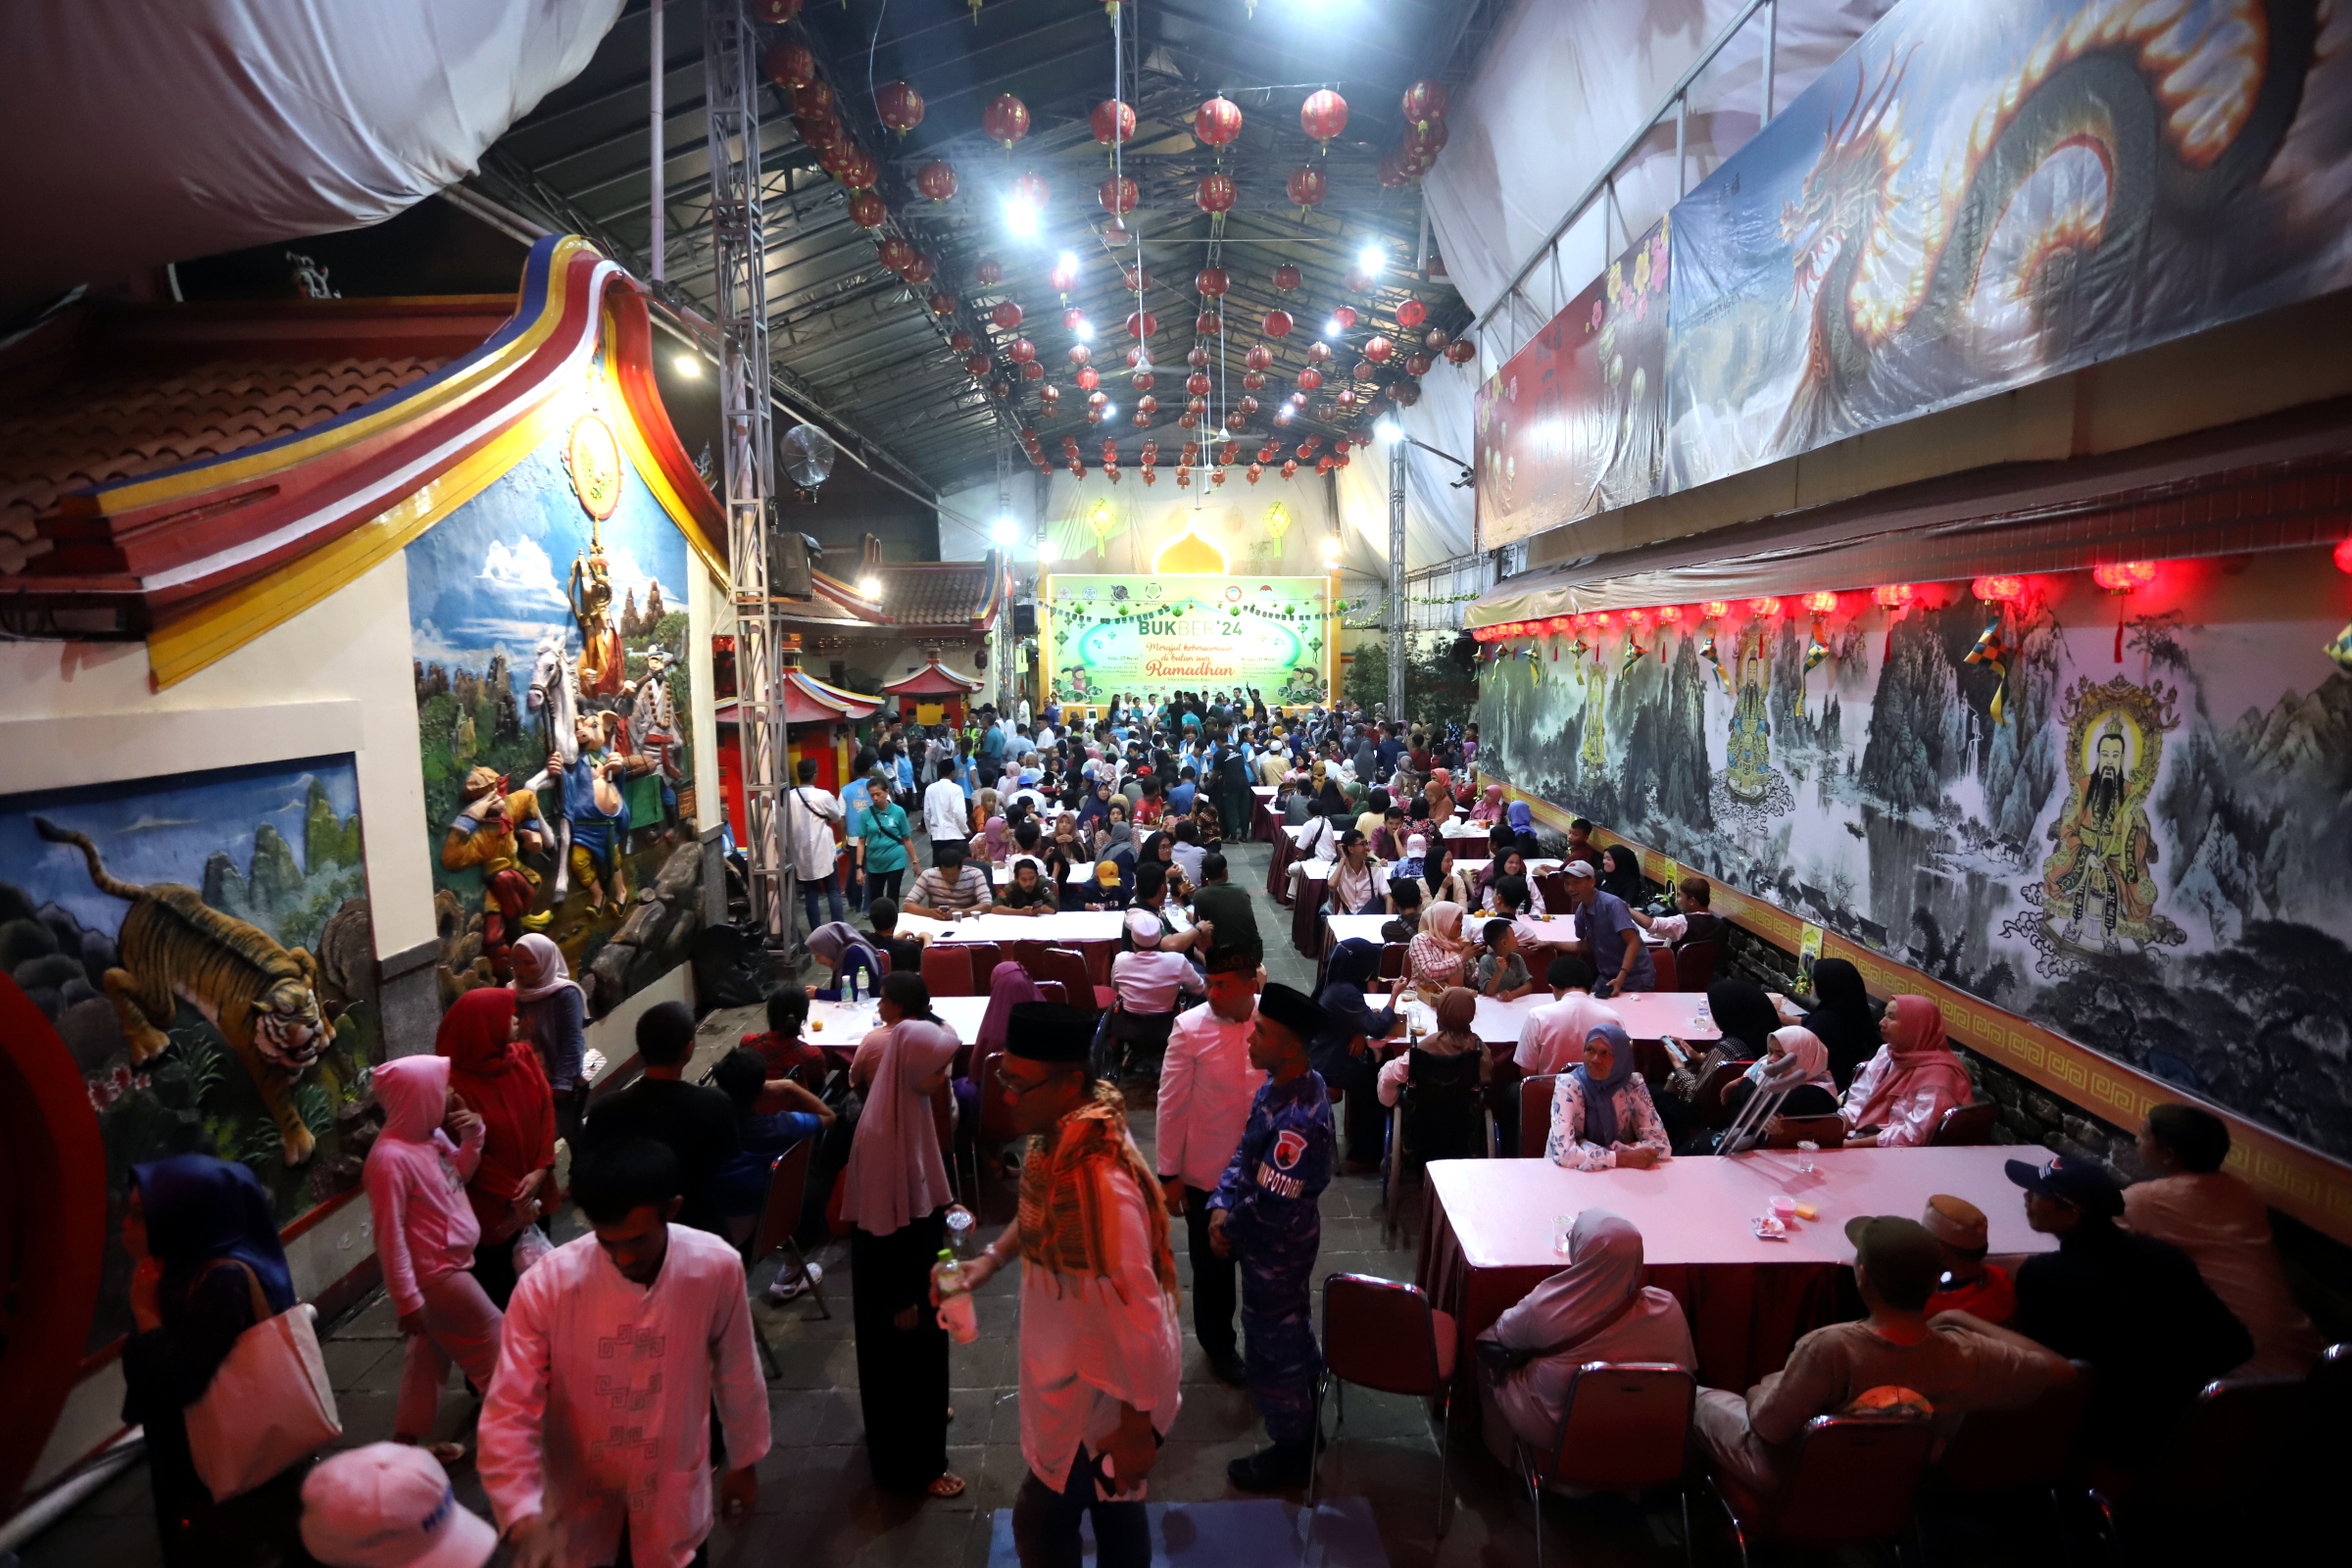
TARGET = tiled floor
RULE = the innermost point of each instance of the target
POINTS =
(817, 1503)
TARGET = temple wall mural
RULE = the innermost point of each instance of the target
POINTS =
(2125, 818)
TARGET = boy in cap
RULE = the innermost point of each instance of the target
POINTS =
(1968, 1283)
(2132, 1306)
(1604, 925)
(1101, 1353)
(1264, 1214)
(1955, 1362)
(389, 1505)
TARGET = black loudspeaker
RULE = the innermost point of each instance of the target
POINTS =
(1024, 619)
(1464, 652)
(790, 554)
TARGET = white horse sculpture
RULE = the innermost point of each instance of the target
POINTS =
(554, 696)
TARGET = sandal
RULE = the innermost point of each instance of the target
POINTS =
(946, 1485)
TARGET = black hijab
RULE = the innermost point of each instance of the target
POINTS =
(1626, 880)
(1744, 1014)
(1841, 1019)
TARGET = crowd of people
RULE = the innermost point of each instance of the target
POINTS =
(623, 1403)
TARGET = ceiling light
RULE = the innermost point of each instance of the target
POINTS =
(1331, 548)
(870, 587)
(1021, 218)
(1389, 430)
(1282, 415)
(1086, 331)
(1332, 327)
(687, 366)
(1004, 532)
(1372, 258)
(1110, 410)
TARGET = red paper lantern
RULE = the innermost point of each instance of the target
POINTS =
(1080, 354)
(1323, 116)
(1378, 350)
(1411, 313)
(868, 210)
(859, 171)
(1821, 602)
(776, 13)
(1065, 277)
(1022, 351)
(1000, 389)
(1030, 191)
(1141, 380)
(1088, 378)
(1006, 315)
(789, 65)
(1218, 193)
(1252, 380)
(1049, 394)
(1146, 405)
(1715, 609)
(1345, 315)
(1031, 370)
(1894, 595)
(1289, 468)
(900, 107)
(1217, 121)
(942, 304)
(1766, 608)
(1318, 352)
(1142, 324)
(1461, 350)
(961, 342)
(1005, 120)
(1346, 398)
(1234, 421)
(1117, 195)
(1999, 590)
(1114, 122)
(1285, 277)
(977, 365)
(1211, 281)
(919, 270)
(1073, 320)
(988, 273)
(1277, 324)
(1404, 394)
(1435, 339)
(812, 99)
(1416, 365)
(1309, 379)
(1306, 188)
(1425, 101)
(1258, 357)
(1253, 472)
(1207, 324)
(2124, 576)
(1670, 614)
(897, 252)
(1421, 145)
(1197, 358)
(1197, 384)
(1390, 173)
(1136, 278)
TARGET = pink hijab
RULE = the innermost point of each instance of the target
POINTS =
(1927, 1062)
(993, 841)
(896, 1174)
(1490, 807)
(1008, 986)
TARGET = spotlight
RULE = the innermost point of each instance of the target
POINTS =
(1021, 218)
(870, 587)
(1004, 532)
(1371, 259)
(687, 366)
(1389, 430)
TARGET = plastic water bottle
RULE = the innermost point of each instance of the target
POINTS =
(959, 1229)
(957, 1311)
(858, 986)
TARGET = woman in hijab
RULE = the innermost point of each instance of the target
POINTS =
(1440, 801)
(1842, 1016)
(1441, 880)
(1899, 1098)
(1602, 1115)
(1621, 874)
(1595, 1309)
(201, 1235)
(1096, 807)
(989, 845)
(551, 1011)
(984, 806)
(1796, 1061)
(895, 1197)
(1490, 809)
(497, 1074)
(1349, 976)
(1331, 801)
(1457, 1009)
(1433, 959)
(840, 948)
(1746, 1019)
(979, 1094)
(1521, 817)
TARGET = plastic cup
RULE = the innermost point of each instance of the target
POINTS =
(1784, 1207)
(1562, 1226)
(1806, 1150)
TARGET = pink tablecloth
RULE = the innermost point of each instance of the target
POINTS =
(1486, 1236)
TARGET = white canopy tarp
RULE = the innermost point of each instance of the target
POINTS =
(146, 131)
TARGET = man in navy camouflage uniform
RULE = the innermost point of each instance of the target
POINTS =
(1264, 1213)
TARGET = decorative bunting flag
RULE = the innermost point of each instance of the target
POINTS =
(1994, 653)
(1706, 651)
(2340, 650)
(1635, 652)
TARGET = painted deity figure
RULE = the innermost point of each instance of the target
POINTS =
(1748, 755)
(590, 594)
(1594, 752)
(2105, 848)
(494, 829)
(597, 808)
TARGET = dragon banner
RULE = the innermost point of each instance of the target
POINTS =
(1575, 422)
(1979, 196)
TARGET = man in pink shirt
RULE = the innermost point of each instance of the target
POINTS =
(1552, 1039)
(596, 1435)
(1206, 1087)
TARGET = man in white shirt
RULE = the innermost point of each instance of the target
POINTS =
(946, 814)
(1552, 1039)
(616, 1348)
(1206, 1087)
(809, 815)
(1021, 713)
(1101, 1361)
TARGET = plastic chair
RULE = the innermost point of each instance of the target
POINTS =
(1440, 1109)
(948, 970)
(1966, 1126)
(779, 1218)
(1054, 991)
(1822, 1132)
(1851, 1483)
(1030, 955)
(1535, 1113)
(1068, 965)
(1553, 885)
(1662, 961)
(1385, 1335)
(985, 957)
(1694, 965)
(1626, 1428)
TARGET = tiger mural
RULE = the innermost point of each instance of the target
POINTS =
(263, 997)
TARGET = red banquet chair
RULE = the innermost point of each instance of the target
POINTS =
(779, 1218)
(1626, 1428)
(1535, 1114)
(1385, 1335)
(1067, 967)
(1966, 1126)
(948, 970)
(1694, 965)
(1850, 1484)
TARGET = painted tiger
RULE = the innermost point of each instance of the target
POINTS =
(263, 997)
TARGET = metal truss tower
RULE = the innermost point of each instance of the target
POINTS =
(731, 87)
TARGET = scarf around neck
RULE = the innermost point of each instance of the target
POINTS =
(1067, 1226)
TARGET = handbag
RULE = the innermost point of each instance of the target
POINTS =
(269, 1405)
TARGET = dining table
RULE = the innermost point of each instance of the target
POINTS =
(1493, 1229)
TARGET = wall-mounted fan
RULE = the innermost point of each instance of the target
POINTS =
(809, 455)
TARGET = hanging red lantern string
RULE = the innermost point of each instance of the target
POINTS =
(900, 107)
(1005, 120)
(1306, 189)
(1117, 195)
(1217, 194)
(1114, 122)
(1425, 101)
(1217, 121)
(2123, 578)
(1895, 598)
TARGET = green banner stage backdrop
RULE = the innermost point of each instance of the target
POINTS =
(1102, 634)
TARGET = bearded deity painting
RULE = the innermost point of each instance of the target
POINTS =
(2098, 890)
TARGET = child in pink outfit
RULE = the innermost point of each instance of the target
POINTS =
(425, 1233)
